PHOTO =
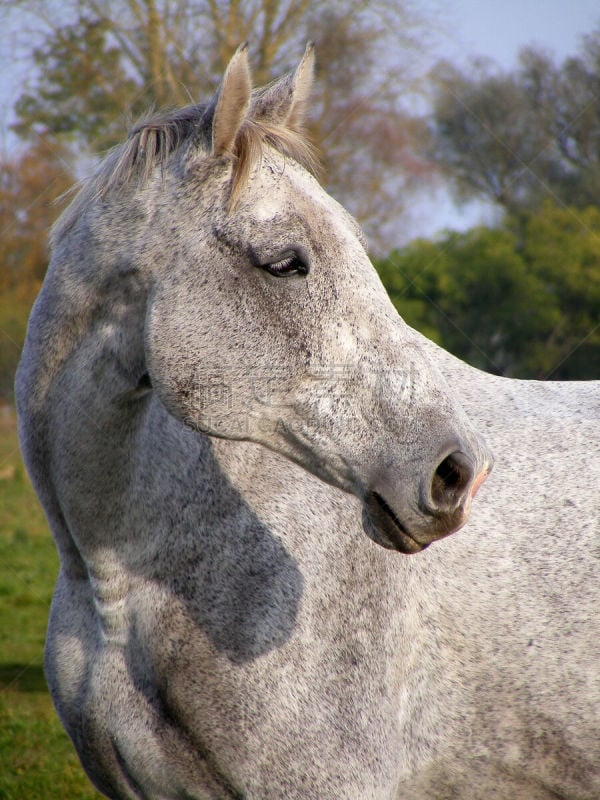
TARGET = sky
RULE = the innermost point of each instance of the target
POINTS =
(498, 30)
(465, 28)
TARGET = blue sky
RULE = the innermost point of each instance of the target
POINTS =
(497, 30)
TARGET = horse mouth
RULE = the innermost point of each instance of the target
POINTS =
(383, 526)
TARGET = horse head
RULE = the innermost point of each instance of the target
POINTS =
(265, 319)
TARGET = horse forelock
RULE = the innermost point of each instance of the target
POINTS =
(251, 141)
(153, 140)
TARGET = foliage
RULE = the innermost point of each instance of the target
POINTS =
(102, 61)
(37, 760)
(520, 301)
(70, 100)
(14, 311)
(522, 136)
(562, 247)
(28, 186)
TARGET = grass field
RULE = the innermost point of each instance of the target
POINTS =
(37, 760)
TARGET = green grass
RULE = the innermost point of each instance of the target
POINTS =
(37, 759)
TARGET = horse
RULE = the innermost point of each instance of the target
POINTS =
(251, 467)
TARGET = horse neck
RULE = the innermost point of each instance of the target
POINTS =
(82, 358)
(87, 340)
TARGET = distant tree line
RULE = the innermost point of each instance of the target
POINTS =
(521, 137)
(520, 299)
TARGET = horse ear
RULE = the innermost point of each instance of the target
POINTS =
(285, 101)
(232, 102)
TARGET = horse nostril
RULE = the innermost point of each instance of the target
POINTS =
(450, 480)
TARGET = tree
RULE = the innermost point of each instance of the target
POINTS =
(72, 102)
(523, 136)
(520, 301)
(108, 59)
(28, 186)
(562, 248)
(569, 100)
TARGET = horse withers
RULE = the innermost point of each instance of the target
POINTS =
(217, 401)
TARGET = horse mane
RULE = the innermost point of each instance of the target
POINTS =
(154, 139)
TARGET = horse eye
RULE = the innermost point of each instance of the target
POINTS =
(288, 264)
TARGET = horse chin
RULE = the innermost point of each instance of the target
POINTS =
(385, 529)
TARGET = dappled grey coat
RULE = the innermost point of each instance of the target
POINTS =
(233, 435)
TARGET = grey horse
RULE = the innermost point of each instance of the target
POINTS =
(237, 442)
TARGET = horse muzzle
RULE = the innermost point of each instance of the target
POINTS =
(442, 506)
